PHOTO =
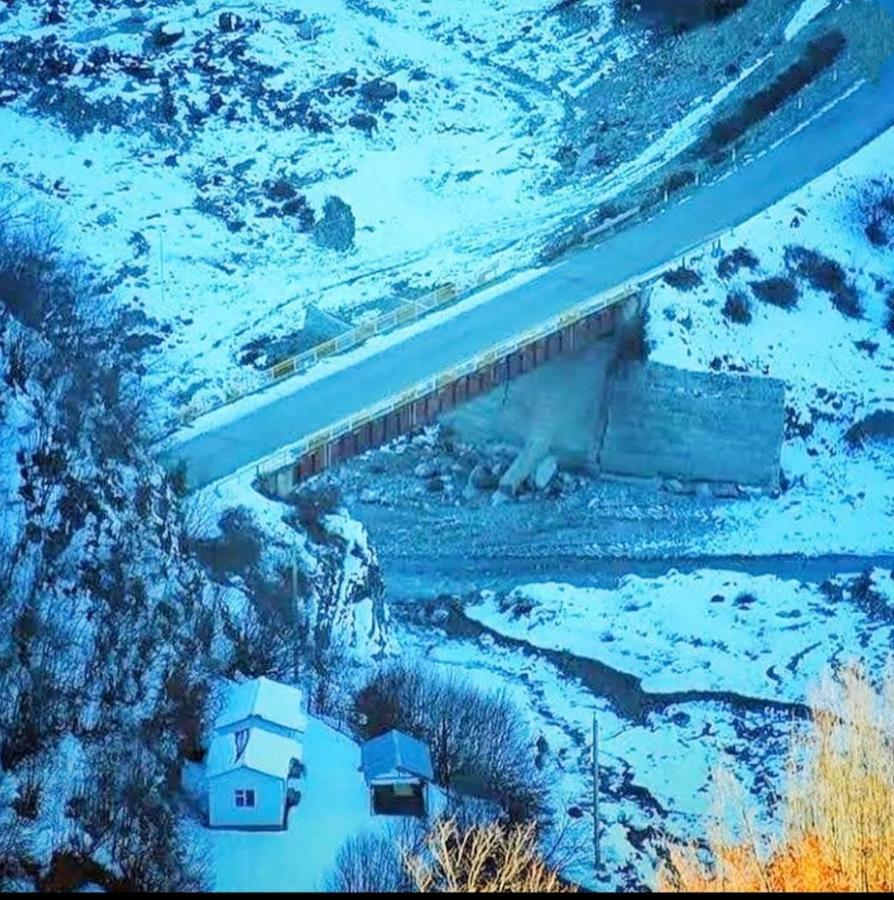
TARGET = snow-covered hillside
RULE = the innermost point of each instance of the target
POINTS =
(245, 180)
(252, 180)
(122, 603)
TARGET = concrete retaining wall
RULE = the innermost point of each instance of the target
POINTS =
(692, 425)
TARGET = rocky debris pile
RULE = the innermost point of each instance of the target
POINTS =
(435, 465)
(179, 77)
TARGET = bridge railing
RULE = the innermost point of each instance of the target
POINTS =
(409, 311)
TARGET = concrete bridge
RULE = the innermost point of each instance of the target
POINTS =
(314, 421)
(425, 402)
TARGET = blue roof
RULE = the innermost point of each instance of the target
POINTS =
(395, 751)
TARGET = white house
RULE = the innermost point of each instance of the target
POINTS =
(248, 776)
(255, 755)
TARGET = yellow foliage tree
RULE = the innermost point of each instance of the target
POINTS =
(489, 858)
(837, 828)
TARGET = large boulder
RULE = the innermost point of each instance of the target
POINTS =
(335, 231)
(166, 35)
(378, 92)
(229, 21)
(483, 478)
(545, 472)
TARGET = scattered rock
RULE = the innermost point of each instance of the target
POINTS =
(307, 31)
(482, 478)
(439, 615)
(280, 189)
(378, 92)
(435, 484)
(726, 491)
(166, 35)
(228, 21)
(427, 469)
(138, 243)
(364, 122)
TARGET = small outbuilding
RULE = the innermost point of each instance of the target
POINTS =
(398, 772)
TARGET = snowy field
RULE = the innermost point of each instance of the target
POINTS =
(706, 631)
(720, 662)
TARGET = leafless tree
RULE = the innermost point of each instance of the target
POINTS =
(479, 744)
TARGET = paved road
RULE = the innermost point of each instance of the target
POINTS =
(849, 125)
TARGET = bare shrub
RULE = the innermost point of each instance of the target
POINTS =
(238, 549)
(373, 863)
(731, 263)
(27, 802)
(824, 274)
(737, 308)
(494, 858)
(682, 278)
(876, 206)
(312, 504)
(679, 16)
(480, 746)
(819, 55)
(878, 425)
(35, 281)
(837, 812)
(777, 291)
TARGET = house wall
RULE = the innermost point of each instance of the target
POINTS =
(263, 724)
(270, 800)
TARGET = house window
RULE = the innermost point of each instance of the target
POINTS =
(245, 798)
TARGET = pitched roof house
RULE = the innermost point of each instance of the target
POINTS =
(253, 755)
(398, 771)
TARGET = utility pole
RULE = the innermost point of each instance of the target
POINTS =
(595, 776)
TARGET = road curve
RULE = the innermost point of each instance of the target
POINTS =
(213, 454)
